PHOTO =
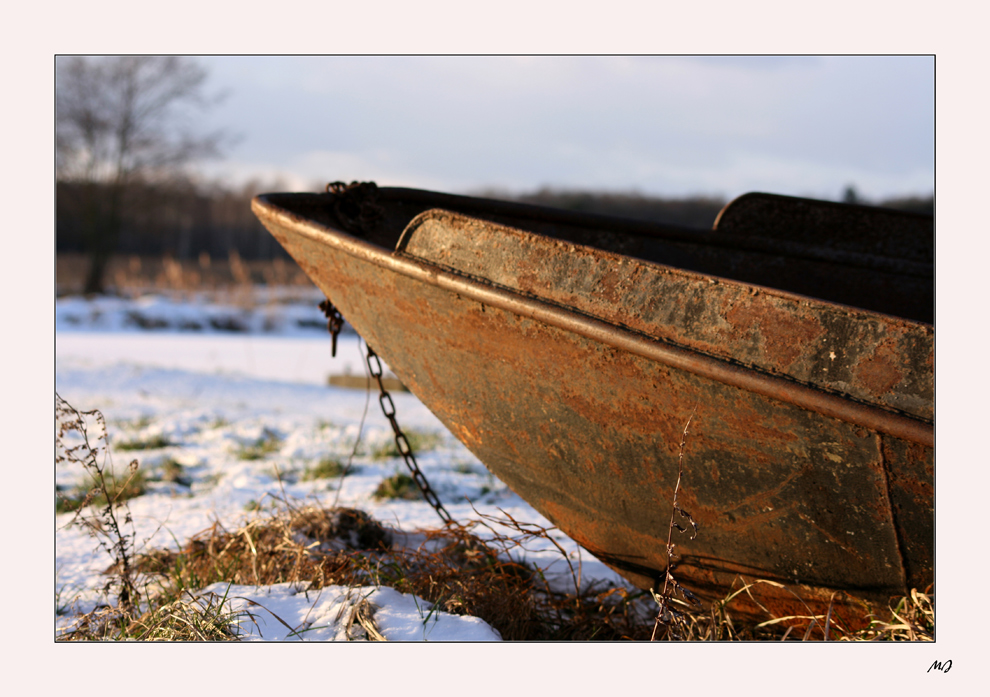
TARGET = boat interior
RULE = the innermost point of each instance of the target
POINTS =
(873, 259)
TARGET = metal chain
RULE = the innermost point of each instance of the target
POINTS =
(356, 206)
(401, 442)
(334, 324)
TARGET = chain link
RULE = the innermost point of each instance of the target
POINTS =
(334, 324)
(359, 212)
(401, 442)
(356, 206)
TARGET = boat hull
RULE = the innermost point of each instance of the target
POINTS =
(585, 418)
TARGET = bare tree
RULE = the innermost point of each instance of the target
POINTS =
(120, 119)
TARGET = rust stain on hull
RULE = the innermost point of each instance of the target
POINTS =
(512, 351)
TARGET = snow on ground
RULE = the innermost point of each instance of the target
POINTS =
(211, 380)
(284, 612)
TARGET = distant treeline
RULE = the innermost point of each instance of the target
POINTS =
(175, 219)
(182, 220)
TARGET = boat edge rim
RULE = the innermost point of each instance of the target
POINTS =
(777, 387)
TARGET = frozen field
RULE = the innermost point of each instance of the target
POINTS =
(210, 379)
(164, 373)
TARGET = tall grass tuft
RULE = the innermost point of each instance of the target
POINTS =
(151, 443)
(172, 612)
(326, 468)
(103, 510)
(266, 444)
(669, 615)
(398, 486)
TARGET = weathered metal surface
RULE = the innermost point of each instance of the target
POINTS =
(872, 358)
(570, 373)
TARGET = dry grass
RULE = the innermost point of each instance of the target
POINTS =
(327, 468)
(82, 440)
(911, 618)
(173, 471)
(267, 443)
(203, 617)
(99, 494)
(419, 441)
(468, 569)
(398, 486)
(155, 442)
(455, 568)
(686, 618)
(458, 570)
(130, 274)
(671, 618)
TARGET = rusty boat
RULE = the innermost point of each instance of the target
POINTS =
(569, 350)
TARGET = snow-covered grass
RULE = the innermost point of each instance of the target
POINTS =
(229, 425)
(284, 612)
(228, 412)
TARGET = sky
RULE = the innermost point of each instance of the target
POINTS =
(658, 125)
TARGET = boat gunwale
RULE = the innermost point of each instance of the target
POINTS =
(682, 234)
(748, 378)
